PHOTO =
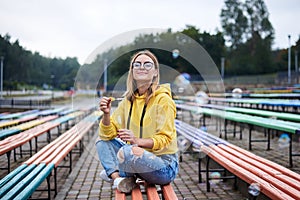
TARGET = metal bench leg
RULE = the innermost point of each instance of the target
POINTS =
(225, 128)
(15, 155)
(55, 181)
(30, 148)
(269, 138)
(290, 150)
(70, 162)
(207, 174)
(21, 152)
(48, 136)
(250, 132)
(199, 169)
(36, 144)
(234, 129)
(8, 161)
(49, 186)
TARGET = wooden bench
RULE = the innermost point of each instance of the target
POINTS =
(11, 143)
(25, 126)
(24, 180)
(263, 104)
(11, 116)
(153, 192)
(291, 128)
(39, 167)
(8, 123)
(256, 112)
(275, 181)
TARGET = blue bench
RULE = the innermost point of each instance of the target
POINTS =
(23, 181)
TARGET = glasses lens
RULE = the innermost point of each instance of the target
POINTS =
(136, 65)
(148, 65)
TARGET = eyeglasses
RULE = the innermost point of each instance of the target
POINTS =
(146, 65)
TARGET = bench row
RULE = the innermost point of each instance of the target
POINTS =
(13, 142)
(24, 180)
(291, 128)
(275, 181)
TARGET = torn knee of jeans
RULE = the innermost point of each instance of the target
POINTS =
(120, 155)
(137, 151)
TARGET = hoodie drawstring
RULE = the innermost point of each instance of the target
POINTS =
(141, 120)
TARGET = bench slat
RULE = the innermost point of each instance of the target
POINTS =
(168, 192)
(272, 169)
(282, 169)
(119, 195)
(151, 192)
(24, 182)
(266, 188)
(260, 173)
(35, 183)
(137, 194)
(11, 175)
(16, 179)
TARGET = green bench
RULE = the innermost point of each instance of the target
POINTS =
(291, 128)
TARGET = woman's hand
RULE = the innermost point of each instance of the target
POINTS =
(105, 105)
(127, 136)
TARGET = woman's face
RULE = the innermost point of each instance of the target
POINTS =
(143, 69)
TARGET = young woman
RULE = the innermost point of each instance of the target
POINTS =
(139, 139)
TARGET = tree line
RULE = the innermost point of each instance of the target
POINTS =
(245, 42)
(24, 69)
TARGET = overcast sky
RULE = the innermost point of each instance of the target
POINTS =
(74, 28)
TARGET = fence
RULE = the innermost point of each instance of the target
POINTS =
(19, 103)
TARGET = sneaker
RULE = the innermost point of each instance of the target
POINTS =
(103, 175)
(125, 184)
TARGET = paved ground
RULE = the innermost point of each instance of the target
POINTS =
(84, 182)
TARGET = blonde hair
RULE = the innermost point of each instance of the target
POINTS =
(131, 84)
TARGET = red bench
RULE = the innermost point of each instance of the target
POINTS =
(275, 181)
(152, 192)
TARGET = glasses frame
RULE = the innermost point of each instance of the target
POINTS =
(143, 64)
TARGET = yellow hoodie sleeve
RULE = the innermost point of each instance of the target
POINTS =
(116, 122)
(166, 132)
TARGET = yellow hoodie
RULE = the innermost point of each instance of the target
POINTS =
(158, 121)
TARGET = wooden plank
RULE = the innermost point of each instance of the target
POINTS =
(253, 167)
(168, 192)
(268, 163)
(119, 195)
(265, 187)
(152, 192)
(136, 194)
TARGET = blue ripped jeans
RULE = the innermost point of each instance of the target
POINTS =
(130, 160)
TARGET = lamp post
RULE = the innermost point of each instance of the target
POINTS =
(52, 82)
(222, 66)
(296, 66)
(105, 76)
(289, 60)
(1, 87)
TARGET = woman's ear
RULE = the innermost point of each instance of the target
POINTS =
(155, 73)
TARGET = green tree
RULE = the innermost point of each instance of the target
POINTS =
(250, 36)
(234, 23)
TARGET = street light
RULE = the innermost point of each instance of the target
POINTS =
(1, 87)
(296, 66)
(105, 76)
(52, 82)
(222, 66)
(289, 60)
